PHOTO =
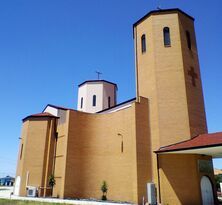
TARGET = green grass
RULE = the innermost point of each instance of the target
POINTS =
(19, 202)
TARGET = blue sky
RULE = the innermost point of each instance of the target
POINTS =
(48, 47)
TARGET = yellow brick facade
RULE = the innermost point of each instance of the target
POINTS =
(83, 149)
(89, 148)
(180, 178)
(36, 154)
(95, 154)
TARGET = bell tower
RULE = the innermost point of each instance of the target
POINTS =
(168, 74)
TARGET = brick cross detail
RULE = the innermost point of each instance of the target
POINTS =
(193, 75)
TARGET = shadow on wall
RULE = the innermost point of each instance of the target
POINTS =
(180, 178)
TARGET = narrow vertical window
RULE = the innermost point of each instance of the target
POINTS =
(109, 102)
(81, 102)
(94, 100)
(166, 36)
(143, 43)
(188, 39)
(21, 151)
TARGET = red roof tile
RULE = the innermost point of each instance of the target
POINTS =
(44, 114)
(200, 141)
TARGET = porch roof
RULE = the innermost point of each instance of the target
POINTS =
(207, 144)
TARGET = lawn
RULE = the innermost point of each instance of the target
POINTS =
(18, 202)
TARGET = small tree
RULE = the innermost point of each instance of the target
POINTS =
(104, 189)
(52, 182)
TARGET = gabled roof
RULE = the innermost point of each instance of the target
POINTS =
(44, 114)
(57, 107)
(118, 105)
(200, 141)
(162, 11)
(98, 81)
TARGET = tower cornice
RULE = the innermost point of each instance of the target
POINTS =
(97, 81)
(160, 12)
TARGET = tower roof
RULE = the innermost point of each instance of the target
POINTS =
(98, 81)
(162, 11)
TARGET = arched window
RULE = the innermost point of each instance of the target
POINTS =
(109, 102)
(143, 43)
(21, 151)
(81, 103)
(94, 100)
(188, 39)
(166, 36)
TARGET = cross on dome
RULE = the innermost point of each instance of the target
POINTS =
(98, 75)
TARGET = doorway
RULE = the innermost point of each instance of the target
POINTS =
(206, 191)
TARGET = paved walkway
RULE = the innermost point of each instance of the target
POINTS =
(5, 193)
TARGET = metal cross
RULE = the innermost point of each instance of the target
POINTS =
(98, 74)
(193, 75)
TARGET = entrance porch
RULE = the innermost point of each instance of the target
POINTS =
(185, 170)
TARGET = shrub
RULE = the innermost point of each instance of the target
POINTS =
(104, 189)
(52, 182)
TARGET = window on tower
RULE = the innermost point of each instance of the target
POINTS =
(166, 36)
(188, 39)
(21, 151)
(109, 102)
(94, 100)
(143, 43)
(81, 104)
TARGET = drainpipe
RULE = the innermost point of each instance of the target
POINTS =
(27, 179)
(158, 174)
(52, 131)
(55, 145)
(136, 62)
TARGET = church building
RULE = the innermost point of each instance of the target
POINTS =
(154, 148)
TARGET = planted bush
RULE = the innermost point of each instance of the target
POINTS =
(104, 189)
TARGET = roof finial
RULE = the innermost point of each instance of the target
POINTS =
(98, 74)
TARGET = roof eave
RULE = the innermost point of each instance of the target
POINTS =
(30, 116)
(95, 81)
(120, 104)
(186, 148)
(153, 12)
